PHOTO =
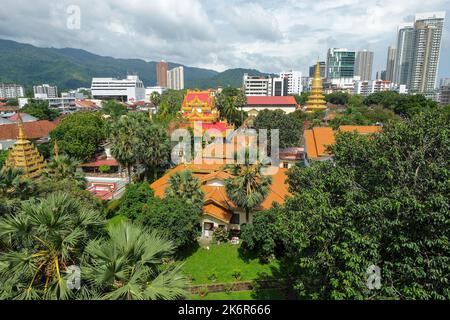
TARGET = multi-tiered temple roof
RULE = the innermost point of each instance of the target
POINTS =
(24, 155)
(199, 106)
(316, 100)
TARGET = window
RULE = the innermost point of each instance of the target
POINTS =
(285, 165)
(235, 219)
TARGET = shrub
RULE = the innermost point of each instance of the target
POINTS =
(237, 274)
(220, 235)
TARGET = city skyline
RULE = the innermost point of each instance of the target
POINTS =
(279, 36)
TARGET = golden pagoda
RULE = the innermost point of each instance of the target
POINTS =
(24, 155)
(316, 100)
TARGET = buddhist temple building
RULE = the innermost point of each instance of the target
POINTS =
(316, 100)
(24, 155)
(318, 139)
(200, 106)
(218, 210)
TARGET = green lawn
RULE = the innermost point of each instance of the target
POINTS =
(223, 260)
(270, 294)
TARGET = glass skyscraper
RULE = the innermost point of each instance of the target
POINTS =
(340, 63)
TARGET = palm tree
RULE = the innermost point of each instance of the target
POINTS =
(63, 167)
(184, 185)
(248, 187)
(13, 184)
(155, 98)
(153, 149)
(43, 240)
(124, 140)
(128, 264)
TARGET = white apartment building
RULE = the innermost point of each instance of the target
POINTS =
(150, 90)
(365, 88)
(294, 81)
(427, 45)
(45, 91)
(11, 91)
(130, 89)
(257, 85)
(175, 78)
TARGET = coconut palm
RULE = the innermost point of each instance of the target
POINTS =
(128, 264)
(184, 185)
(248, 187)
(63, 167)
(42, 241)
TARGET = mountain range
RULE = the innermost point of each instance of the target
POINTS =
(70, 68)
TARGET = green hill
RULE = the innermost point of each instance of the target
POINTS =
(72, 68)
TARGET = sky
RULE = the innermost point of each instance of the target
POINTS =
(268, 35)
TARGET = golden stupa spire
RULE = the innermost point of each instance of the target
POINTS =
(316, 100)
(24, 155)
(56, 149)
(21, 135)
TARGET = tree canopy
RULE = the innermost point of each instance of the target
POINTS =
(383, 202)
(40, 109)
(290, 130)
(80, 135)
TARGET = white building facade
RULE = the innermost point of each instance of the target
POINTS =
(257, 85)
(45, 91)
(294, 81)
(365, 88)
(130, 89)
(11, 91)
(175, 78)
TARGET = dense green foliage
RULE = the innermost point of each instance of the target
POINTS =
(3, 157)
(114, 108)
(184, 185)
(230, 103)
(42, 240)
(341, 98)
(127, 265)
(134, 200)
(175, 218)
(384, 202)
(401, 104)
(290, 130)
(80, 134)
(40, 110)
(137, 140)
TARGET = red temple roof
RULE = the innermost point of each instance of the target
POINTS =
(270, 100)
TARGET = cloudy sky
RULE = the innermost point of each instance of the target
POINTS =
(269, 35)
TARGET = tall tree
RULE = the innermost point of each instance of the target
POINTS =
(62, 167)
(114, 108)
(80, 135)
(248, 187)
(40, 109)
(184, 185)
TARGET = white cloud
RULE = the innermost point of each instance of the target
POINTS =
(269, 35)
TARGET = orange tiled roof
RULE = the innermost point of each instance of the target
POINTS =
(86, 104)
(361, 129)
(33, 130)
(217, 212)
(316, 141)
(318, 138)
(217, 194)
